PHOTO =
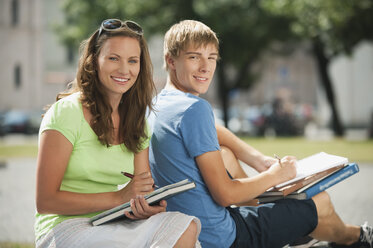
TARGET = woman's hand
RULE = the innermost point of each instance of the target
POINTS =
(142, 210)
(140, 184)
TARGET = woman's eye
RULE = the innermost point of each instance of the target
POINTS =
(133, 61)
(113, 58)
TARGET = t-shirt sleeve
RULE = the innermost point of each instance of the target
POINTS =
(64, 117)
(198, 129)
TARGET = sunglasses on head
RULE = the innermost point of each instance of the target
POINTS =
(114, 24)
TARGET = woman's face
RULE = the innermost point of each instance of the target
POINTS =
(119, 65)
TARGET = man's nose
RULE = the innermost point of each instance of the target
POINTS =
(204, 66)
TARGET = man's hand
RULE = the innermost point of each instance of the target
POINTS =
(284, 171)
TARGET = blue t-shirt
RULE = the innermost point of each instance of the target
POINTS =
(184, 128)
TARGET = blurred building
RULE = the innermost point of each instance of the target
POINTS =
(33, 65)
(287, 85)
(21, 49)
(353, 82)
(294, 79)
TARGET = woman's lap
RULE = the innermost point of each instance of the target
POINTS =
(162, 230)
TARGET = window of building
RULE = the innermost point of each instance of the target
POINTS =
(17, 76)
(15, 12)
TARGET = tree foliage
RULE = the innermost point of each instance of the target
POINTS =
(333, 27)
(340, 25)
(246, 28)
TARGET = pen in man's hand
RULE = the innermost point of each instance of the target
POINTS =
(279, 159)
(129, 175)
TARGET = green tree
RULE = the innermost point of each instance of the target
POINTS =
(333, 27)
(244, 28)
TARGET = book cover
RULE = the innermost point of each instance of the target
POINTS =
(319, 186)
(331, 180)
(152, 198)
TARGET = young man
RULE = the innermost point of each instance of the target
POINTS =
(186, 144)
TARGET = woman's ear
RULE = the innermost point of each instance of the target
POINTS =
(170, 62)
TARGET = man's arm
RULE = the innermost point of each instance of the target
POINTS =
(243, 151)
(226, 191)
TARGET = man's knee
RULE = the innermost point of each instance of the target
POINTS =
(226, 152)
(231, 163)
(323, 204)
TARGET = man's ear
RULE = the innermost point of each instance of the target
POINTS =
(170, 62)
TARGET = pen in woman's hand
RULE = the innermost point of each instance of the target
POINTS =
(129, 175)
(279, 159)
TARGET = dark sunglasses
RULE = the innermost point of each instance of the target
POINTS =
(114, 24)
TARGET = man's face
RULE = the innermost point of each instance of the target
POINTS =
(193, 69)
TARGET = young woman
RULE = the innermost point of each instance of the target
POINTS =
(93, 132)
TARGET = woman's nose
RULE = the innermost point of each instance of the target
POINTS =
(123, 68)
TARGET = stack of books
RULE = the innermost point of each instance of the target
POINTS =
(315, 174)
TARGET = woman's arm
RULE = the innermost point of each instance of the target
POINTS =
(227, 192)
(244, 152)
(141, 161)
(53, 158)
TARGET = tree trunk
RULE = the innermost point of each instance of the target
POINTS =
(223, 92)
(323, 63)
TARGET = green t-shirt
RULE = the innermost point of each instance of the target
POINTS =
(93, 167)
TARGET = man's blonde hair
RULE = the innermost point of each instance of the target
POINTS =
(185, 33)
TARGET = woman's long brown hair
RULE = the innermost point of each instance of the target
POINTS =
(134, 102)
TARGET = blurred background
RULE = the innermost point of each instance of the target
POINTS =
(288, 68)
(299, 70)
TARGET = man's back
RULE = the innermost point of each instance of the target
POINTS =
(183, 128)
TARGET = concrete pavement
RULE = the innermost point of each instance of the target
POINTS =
(353, 198)
(17, 200)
